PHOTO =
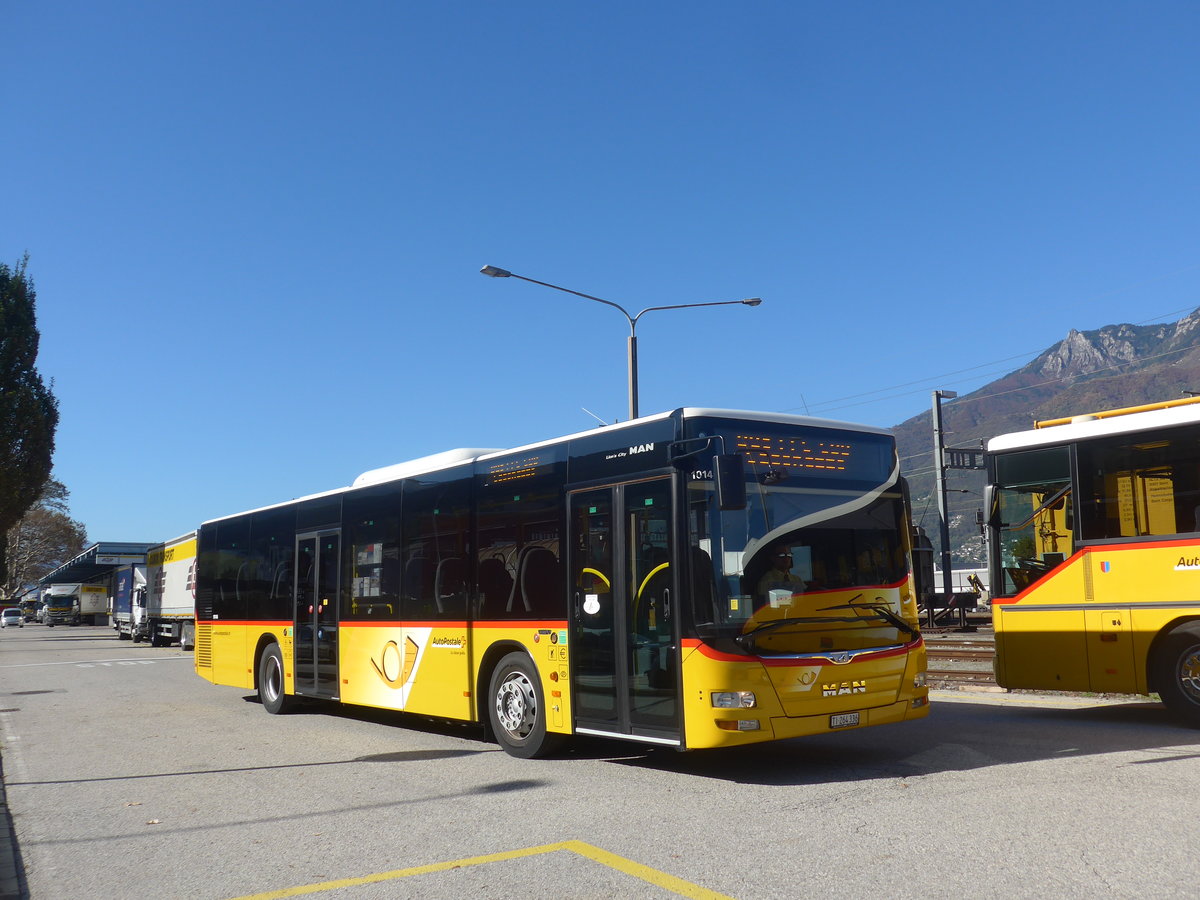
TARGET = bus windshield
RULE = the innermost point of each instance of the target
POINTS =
(815, 563)
(1033, 526)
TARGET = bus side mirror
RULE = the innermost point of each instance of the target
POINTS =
(729, 471)
(991, 507)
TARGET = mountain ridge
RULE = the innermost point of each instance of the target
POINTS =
(1087, 371)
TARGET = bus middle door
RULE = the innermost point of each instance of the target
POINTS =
(316, 592)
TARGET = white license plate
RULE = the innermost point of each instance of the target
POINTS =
(843, 720)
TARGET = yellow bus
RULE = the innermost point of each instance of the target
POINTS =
(698, 578)
(1094, 548)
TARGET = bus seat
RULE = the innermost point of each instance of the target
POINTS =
(449, 584)
(539, 579)
(418, 579)
(495, 587)
(514, 592)
(281, 582)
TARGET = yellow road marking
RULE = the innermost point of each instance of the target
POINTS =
(620, 863)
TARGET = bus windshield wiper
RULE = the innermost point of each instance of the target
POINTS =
(747, 640)
(881, 608)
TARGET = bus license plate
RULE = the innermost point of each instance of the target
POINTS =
(843, 720)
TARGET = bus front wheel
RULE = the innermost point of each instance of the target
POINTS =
(271, 692)
(1177, 672)
(516, 710)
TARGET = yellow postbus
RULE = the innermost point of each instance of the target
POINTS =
(1094, 548)
(699, 578)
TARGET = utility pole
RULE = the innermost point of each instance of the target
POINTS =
(939, 462)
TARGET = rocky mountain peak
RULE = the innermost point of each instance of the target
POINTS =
(1184, 332)
(1082, 353)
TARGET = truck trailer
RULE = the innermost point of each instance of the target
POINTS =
(167, 613)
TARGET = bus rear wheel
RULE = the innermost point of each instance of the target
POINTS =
(271, 692)
(1177, 672)
(517, 711)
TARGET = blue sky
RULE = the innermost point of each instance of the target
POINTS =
(256, 228)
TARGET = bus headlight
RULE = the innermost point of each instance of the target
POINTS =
(734, 699)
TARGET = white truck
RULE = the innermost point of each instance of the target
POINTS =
(68, 604)
(129, 593)
(163, 609)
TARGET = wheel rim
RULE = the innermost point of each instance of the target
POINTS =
(516, 706)
(1189, 673)
(272, 679)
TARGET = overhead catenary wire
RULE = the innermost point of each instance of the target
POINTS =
(831, 404)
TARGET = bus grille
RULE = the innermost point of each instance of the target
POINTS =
(203, 646)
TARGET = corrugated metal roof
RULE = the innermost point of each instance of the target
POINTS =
(97, 560)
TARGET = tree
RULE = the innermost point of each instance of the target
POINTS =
(28, 409)
(44, 538)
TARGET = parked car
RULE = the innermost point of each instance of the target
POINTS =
(11, 616)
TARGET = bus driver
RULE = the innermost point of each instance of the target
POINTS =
(780, 576)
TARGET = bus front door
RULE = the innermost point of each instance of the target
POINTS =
(624, 642)
(316, 604)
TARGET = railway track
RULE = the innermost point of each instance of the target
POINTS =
(960, 660)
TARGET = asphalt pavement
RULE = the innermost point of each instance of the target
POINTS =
(10, 878)
(15, 885)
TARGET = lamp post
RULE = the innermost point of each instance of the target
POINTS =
(494, 272)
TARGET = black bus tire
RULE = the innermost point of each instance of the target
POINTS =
(271, 692)
(517, 710)
(1177, 672)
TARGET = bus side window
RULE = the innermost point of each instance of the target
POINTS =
(436, 514)
(372, 533)
(519, 522)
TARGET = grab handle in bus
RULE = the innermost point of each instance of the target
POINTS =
(666, 604)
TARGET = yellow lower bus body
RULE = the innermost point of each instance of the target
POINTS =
(1092, 623)
(443, 670)
(799, 697)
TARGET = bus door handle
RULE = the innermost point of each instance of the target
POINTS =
(666, 603)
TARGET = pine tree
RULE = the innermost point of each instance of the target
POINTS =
(28, 409)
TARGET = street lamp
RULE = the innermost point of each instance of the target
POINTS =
(494, 272)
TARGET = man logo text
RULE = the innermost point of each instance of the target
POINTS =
(846, 687)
